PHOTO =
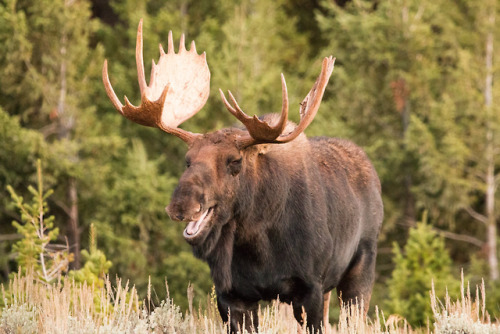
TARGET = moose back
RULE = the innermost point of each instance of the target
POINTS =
(272, 212)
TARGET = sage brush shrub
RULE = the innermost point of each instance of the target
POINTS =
(18, 319)
(167, 318)
(467, 315)
(458, 324)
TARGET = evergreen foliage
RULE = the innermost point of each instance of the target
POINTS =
(423, 261)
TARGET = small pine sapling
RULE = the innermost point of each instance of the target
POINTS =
(423, 260)
(36, 251)
(96, 265)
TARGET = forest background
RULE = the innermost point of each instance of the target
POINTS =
(413, 85)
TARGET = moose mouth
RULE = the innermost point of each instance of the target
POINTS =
(194, 227)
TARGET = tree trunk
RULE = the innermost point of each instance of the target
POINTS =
(409, 214)
(409, 206)
(74, 222)
(65, 126)
(401, 96)
(184, 17)
(491, 237)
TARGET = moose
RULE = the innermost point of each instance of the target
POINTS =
(274, 214)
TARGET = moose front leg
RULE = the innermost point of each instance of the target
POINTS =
(239, 314)
(310, 302)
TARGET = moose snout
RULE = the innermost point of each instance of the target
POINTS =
(186, 204)
(183, 211)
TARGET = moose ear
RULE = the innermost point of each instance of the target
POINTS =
(234, 166)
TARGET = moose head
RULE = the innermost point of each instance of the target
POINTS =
(179, 87)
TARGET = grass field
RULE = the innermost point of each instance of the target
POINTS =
(69, 308)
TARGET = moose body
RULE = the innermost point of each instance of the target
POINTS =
(273, 213)
(298, 220)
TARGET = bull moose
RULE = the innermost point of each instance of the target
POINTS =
(272, 212)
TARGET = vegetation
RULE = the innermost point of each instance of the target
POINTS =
(414, 85)
(32, 310)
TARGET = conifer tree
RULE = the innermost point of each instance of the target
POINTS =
(422, 262)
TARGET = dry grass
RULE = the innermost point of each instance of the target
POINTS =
(69, 308)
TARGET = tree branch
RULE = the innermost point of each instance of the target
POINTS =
(10, 237)
(460, 237)
(476, 215)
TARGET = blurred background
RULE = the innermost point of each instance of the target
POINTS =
(413, 84)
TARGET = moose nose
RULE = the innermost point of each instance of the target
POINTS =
(173, 214)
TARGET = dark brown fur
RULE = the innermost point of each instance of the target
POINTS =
(294, 220)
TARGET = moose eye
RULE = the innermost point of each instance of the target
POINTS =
(188, 163)
(234, 166)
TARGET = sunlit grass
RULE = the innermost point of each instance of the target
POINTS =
(31, 306)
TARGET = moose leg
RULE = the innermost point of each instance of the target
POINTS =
(239, 314)
(310, 303)
(357, 283)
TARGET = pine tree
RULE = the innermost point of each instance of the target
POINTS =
(36, 251)
(422, 262)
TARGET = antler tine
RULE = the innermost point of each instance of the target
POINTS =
(182, 46)
(109, 89)
(139, 60)
(284, 104)
(312, 101)
(236, 110)
(170, 43)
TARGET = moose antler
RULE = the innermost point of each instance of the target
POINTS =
(179, 87)
(261, 132)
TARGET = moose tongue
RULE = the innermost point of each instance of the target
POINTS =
(193, 226)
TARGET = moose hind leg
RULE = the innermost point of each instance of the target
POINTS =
(356, 285)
